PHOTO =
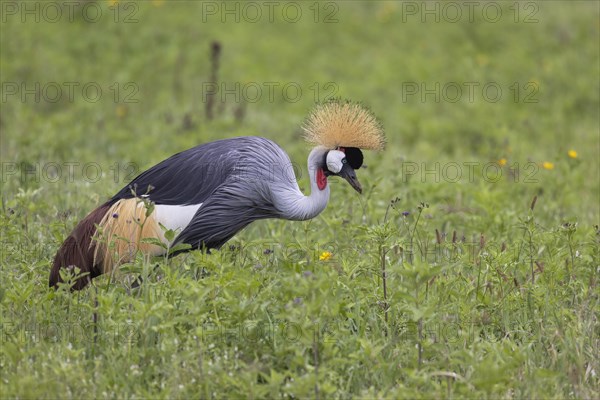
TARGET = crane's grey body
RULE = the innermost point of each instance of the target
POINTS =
(234, 182)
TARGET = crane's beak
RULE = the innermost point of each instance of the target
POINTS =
(350, 175)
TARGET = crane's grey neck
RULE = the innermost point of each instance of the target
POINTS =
(294, 204)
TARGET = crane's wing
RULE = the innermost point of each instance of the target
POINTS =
(243, 197)
(188, 177)
(226, 212)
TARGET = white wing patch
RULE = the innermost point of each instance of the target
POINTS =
(175, 218)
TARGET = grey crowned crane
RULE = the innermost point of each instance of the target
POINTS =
(210, 192)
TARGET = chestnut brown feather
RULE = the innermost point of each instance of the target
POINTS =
(78, 251)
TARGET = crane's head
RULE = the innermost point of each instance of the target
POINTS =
(345, 128)
(343, 162)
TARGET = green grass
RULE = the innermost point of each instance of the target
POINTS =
(485, 296)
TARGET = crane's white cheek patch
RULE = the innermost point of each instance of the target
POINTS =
(175, 218)
(334, 161)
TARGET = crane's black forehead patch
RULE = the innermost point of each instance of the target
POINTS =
(354, 157)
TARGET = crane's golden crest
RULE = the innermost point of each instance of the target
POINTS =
(338, 123)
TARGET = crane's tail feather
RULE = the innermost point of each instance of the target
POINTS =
(78, 251)
(110, 235)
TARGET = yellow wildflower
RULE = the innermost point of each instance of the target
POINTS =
(548, 165)
(157, 3)
(502, 162)
(385, 13)
(482, 60)
(113, 3)
(572, 153)
(121, 111)
(325, 256)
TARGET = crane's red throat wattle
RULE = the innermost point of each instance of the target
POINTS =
(321, 179)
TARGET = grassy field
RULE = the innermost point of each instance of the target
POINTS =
(483, 211)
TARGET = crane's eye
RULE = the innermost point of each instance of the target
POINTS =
(344, 161)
